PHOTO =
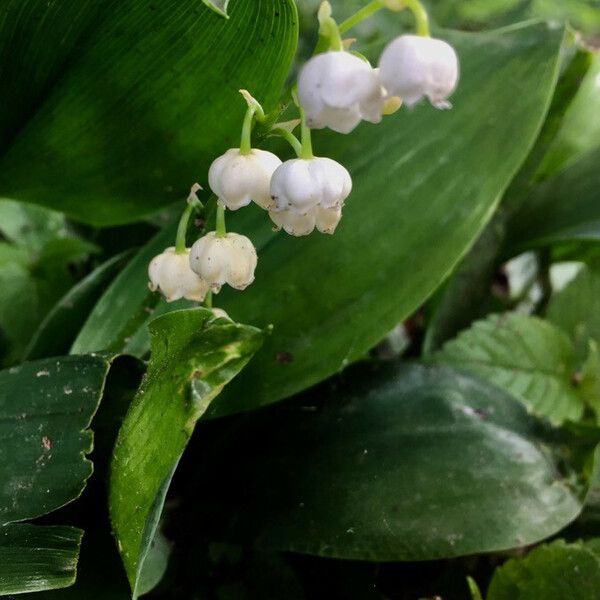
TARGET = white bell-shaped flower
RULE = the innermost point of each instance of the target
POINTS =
(324, 219)
(300, 185)
(413, 66)
(170, 273)
(238, 178)
(230, 259)
(338, 90)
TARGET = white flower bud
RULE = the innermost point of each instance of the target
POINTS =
(170, 273)
(237, 178)
(338, 90)
(324, 219)
(230, 259)
(300, 185)
(413, 66)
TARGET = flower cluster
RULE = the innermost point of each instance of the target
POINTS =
(337, 89)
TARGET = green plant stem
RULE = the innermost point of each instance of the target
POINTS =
(221, 230)
(361, 15)
(208, 299)
(246, 141)
(180, 243)
(415, 6)
(254, 110)
(306, 151)
(421, 17)
(289, 137)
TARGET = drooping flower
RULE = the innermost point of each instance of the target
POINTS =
(229, 259)
(237, 178)
(170, 273)
(309, 193)
(302, 184)
(338, 90)
(325, 220)
(415, 66)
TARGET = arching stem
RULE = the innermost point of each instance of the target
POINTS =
(221, 230)
(193, 203)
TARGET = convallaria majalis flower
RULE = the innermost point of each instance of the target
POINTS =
(414, 67)
(336, 89)
(243, 174)
(170, 272)
(309, 193)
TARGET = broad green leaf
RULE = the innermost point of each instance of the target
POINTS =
(62, 324)
(563, 209)
(138, 99)
(33, 558)
(425, 184)
(399, 462)
(193, 357)
(528, 357)
(556, 571)
(45, 411)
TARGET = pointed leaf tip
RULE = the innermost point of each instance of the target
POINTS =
(219, 6)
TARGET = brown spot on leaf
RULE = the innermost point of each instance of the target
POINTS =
(285, 358)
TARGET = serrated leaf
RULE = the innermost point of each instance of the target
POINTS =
(193, 357)
(46, 408)
(556, 571)
(35, 559)
(528, 357)
(394, 462)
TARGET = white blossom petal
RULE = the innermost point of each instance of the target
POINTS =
(413, 67)
(170, 273)
(237, 179)
(230, 260)
(338, 90)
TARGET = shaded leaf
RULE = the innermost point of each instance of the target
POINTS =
(34, 559)
(46, 408)
(145, 98)
(62, 324)
(528, 357)
(565, 208)
(193, 357)
(398, 463)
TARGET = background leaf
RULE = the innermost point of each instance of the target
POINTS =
(39, 261)
(563, 209)
(62, 324)
(557, 571)
(528, 357)
(397, 463)
(45, 410)
(33, 559)
(142, 99)
(423, 192)
(193, 357)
